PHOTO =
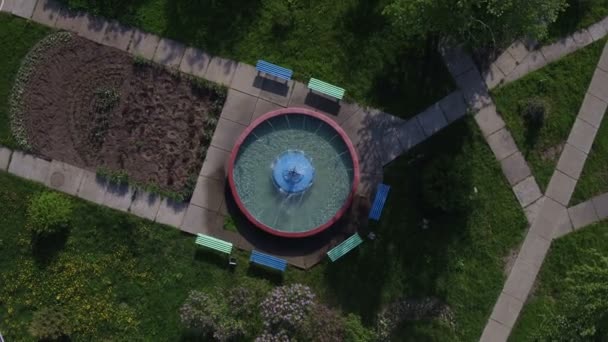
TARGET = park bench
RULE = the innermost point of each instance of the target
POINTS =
(345, 247)
(213, 243)
(379, 201)
(274, 70)
(268, 261)
(326, 88)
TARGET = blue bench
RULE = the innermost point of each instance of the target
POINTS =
(378, 205)
(268, 261)
(274, 70)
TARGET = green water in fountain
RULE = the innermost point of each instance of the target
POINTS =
(331, 160)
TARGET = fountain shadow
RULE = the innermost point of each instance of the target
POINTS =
(301, 252)
(322, 103)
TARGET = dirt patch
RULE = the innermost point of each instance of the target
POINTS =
(94, 107)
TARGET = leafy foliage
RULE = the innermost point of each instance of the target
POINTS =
(323, 325)
(209, 314)
(477, 22)
(49, 213)
(583, 312)
(50, 324)
(286, 308)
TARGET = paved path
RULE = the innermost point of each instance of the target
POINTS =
(521, 58)
(379, 137)
(548, 215)
(494, 130)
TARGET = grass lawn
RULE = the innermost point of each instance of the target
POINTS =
(17, 36)
(594, 179)
(562, 85)
(564, 255)
(123, 278)
(578, 15)
(348, 43)
(458, 258)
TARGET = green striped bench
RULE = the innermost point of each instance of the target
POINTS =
(345, 247)
(326, 88)
(213, 243)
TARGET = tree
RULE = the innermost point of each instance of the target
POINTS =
(477, 22)
(583, 313)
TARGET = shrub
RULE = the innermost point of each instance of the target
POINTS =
(49, 324)
(49, 213)
(120, 177)
(286, 307)
(210, 316)
(582, 312)
(323, 325)
(446, 184)
(243, 301)
(355, 331)
(534, 111)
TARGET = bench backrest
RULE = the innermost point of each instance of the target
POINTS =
(326, 88)
(345, 247)
(213, 243)
(268, 260)
(378, 205)
(274, 70)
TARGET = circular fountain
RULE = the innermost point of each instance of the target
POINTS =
(293, 172)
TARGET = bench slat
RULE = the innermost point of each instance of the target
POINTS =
(326, 88)
(268, 260)
(379, 201)
(214, 243)
(345, 247)
(274, 70)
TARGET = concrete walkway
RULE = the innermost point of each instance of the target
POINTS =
(378, 137)
(548, 215)
(521, 57)
(494, 130)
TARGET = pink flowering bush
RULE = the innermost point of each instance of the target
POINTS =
(286, 307)
(210, 317)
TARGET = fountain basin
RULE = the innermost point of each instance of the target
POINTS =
(293, 172)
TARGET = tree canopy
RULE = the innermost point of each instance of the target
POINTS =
(477, 22)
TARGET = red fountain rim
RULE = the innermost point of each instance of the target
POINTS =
(289, 111)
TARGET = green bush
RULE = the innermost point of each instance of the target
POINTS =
(50, 324)
(209, 316)
(534, 112)
(446, 184)
(49, 213)
(582, 311)
(355, 331)
(322, 324)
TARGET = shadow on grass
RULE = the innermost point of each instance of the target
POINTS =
(46, 248)
(275, 277)
(409, 257)
(406, 74)
(215, 24)
(208, 256)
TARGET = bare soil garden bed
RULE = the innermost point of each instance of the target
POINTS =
(98, 108)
